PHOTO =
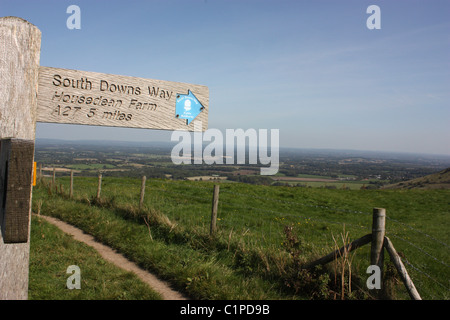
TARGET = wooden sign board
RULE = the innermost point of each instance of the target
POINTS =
(97, 99)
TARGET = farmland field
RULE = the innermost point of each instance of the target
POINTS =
(263, 233)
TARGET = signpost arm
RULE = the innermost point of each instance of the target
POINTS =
(20, 43)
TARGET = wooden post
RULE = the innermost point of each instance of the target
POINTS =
(54, 177)
(336, 254)
(141, 200)
(20, 43)
(15, 156)
(40, 171)
(412, 291)
(215, 205)
(71, 184)
(378, 232)
(99, 188)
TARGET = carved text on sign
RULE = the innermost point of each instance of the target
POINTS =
(90, 98)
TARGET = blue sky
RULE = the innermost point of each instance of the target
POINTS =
(311, 69)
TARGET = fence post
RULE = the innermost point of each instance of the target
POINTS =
(20, 43)
(141, 200)
(395, 258)
(54, 177)
(99, 188)
(71, 184)
(338, 253)
(215, 204)
(378, 232)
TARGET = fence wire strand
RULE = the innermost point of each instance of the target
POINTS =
(225, 203)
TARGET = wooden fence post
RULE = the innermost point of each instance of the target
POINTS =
(71, 184)
(141, 200)
(54, 177)
(412, 291)
(99, 188)
(20, 43)
(378, 232)
(215, 204)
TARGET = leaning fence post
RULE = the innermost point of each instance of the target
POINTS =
(395, 258)
(141, 200)
(20, 43)
(215, 204)
(378, 232)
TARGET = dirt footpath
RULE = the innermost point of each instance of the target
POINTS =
(119, 260)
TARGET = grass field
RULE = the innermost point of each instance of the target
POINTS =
(316, 181)
(264, 234)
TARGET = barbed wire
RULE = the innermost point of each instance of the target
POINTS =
(324, 207)
(297, 216)
(278, 213)
(202, 199)
(180, 193)
(320, 207)
(293, 215)
(296, 203)
(225, 203)
(424, 273)
(317, 206)
(420, 249)
(222, 202)
(418, 231)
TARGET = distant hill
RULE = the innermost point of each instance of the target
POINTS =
(440, 180)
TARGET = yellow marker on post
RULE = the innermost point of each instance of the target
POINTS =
(34, 174)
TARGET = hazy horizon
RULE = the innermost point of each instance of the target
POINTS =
(312, 69)
(169, 143)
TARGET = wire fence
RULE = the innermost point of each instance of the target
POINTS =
(238, 210)
(422, 269)
(260, 220)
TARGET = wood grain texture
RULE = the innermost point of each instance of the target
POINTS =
(19, 70)
(15, 191)
(98, 99)
(378, 232)
(20, 43)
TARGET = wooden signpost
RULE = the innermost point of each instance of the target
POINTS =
(91, 98)
(30, 93)
(20, 44)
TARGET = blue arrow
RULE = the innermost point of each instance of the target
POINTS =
(187, 107)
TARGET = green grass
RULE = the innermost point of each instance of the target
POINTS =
(52, 252)
(248, 257)
(201, 276)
